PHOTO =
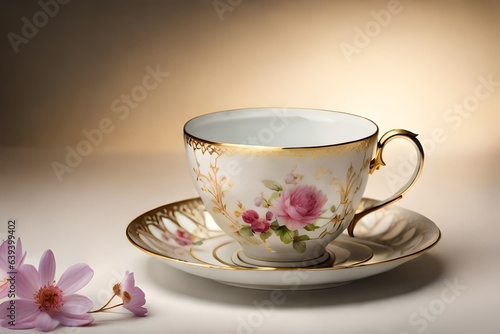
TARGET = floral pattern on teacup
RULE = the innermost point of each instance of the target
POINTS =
(293, 210)
(288, 209)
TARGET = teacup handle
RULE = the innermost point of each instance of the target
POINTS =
(377, 162)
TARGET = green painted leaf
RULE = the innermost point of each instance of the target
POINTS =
(299, 246)
(246, 231)
(274, 195)
(310, 227)
(286, 236)
(264, 236)
(273, 185)
(301, 238)
(274, 225)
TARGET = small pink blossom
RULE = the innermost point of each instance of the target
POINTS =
(257, 201)
(298, 206)
(249, 216)
(42, 303)
(292, 178)
(260, 225)
(183, 238)
(10, 260)
(256, 223)
(269, 215)
(133, 297)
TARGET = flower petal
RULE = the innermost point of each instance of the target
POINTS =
(75, 278)
(27, 281)
(47, 268)
(3, 255)
(76, 304)
(73, 320)
(128, 281)
(4, 284)
(24, 313)
(136, 297)
(46, 323)
(19, 253)
(137, 310)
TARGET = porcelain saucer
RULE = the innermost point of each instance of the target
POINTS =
(186, 237)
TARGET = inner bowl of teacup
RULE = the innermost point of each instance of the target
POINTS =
(280, 128)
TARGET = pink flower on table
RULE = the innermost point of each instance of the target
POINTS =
(10, 260)
(44, 304)
(298, 206)
(132, 296)
(257, 224)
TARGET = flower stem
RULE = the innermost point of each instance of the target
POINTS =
(104, 308)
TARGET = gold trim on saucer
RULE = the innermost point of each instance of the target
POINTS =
(172, 232)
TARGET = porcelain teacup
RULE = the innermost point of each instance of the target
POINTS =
(285, 182)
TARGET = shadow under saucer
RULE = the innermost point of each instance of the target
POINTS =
(408, 277)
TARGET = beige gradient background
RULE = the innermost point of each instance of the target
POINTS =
(427, 59)
(264, 53)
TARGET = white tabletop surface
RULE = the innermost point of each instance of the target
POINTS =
(413, 73)
(83, 219)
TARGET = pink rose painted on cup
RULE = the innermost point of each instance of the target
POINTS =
(289, 207)
(298, 206)
(257, 224)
